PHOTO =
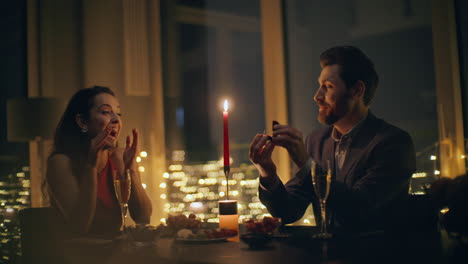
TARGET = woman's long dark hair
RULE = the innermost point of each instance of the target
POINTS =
(69, 139)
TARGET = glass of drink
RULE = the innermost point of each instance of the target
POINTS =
(122, 185)
(321, 180)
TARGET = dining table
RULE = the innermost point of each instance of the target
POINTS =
(290, 245)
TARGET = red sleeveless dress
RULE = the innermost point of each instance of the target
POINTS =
(107, 218)
(105, 187)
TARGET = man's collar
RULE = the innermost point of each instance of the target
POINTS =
(351, 133)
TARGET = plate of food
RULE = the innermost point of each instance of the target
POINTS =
(205, 235)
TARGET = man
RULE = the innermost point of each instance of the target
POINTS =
(372, 161)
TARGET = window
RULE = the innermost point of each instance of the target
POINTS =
(213, 52)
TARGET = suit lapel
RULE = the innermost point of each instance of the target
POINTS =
(354, 155)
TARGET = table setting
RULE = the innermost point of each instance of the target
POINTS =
(264, 240)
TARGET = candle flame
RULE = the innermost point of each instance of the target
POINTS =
(226, 105)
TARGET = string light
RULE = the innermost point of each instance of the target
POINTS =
(178, 155)
(196, 205)
(433, 157)
(141, 169)
(14, 196)
(205, 184)
(444, 210)
(419, 175)
(175, 167)
(138, 159)
(144, 154)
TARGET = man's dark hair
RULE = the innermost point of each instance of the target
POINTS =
(355, 66)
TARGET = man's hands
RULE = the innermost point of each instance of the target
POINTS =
(291, 139)
(261, 148)
(284, 136)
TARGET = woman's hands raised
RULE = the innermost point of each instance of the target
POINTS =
(131, 150)
(97, 144)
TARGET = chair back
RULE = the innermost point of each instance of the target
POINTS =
(423, 212)
(42, 230)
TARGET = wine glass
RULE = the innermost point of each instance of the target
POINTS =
(321, 180)
(122, 186)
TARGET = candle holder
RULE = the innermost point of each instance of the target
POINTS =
(228, 217)
(226, 173)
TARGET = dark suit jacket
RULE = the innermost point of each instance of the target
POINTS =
(371, 189)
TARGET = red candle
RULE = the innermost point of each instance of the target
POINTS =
(226, 134)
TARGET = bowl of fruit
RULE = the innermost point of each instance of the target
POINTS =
(180, 221)
(259, 232)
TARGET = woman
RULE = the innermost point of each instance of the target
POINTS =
(85, 157)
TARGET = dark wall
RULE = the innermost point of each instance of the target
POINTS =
(13, 76)
(461, 9)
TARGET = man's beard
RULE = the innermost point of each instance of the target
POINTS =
(328, 119)
(332, 116)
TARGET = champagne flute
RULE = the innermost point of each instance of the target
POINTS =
(321, 180)
(122, 186)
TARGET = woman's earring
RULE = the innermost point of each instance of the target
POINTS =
(84, 130)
